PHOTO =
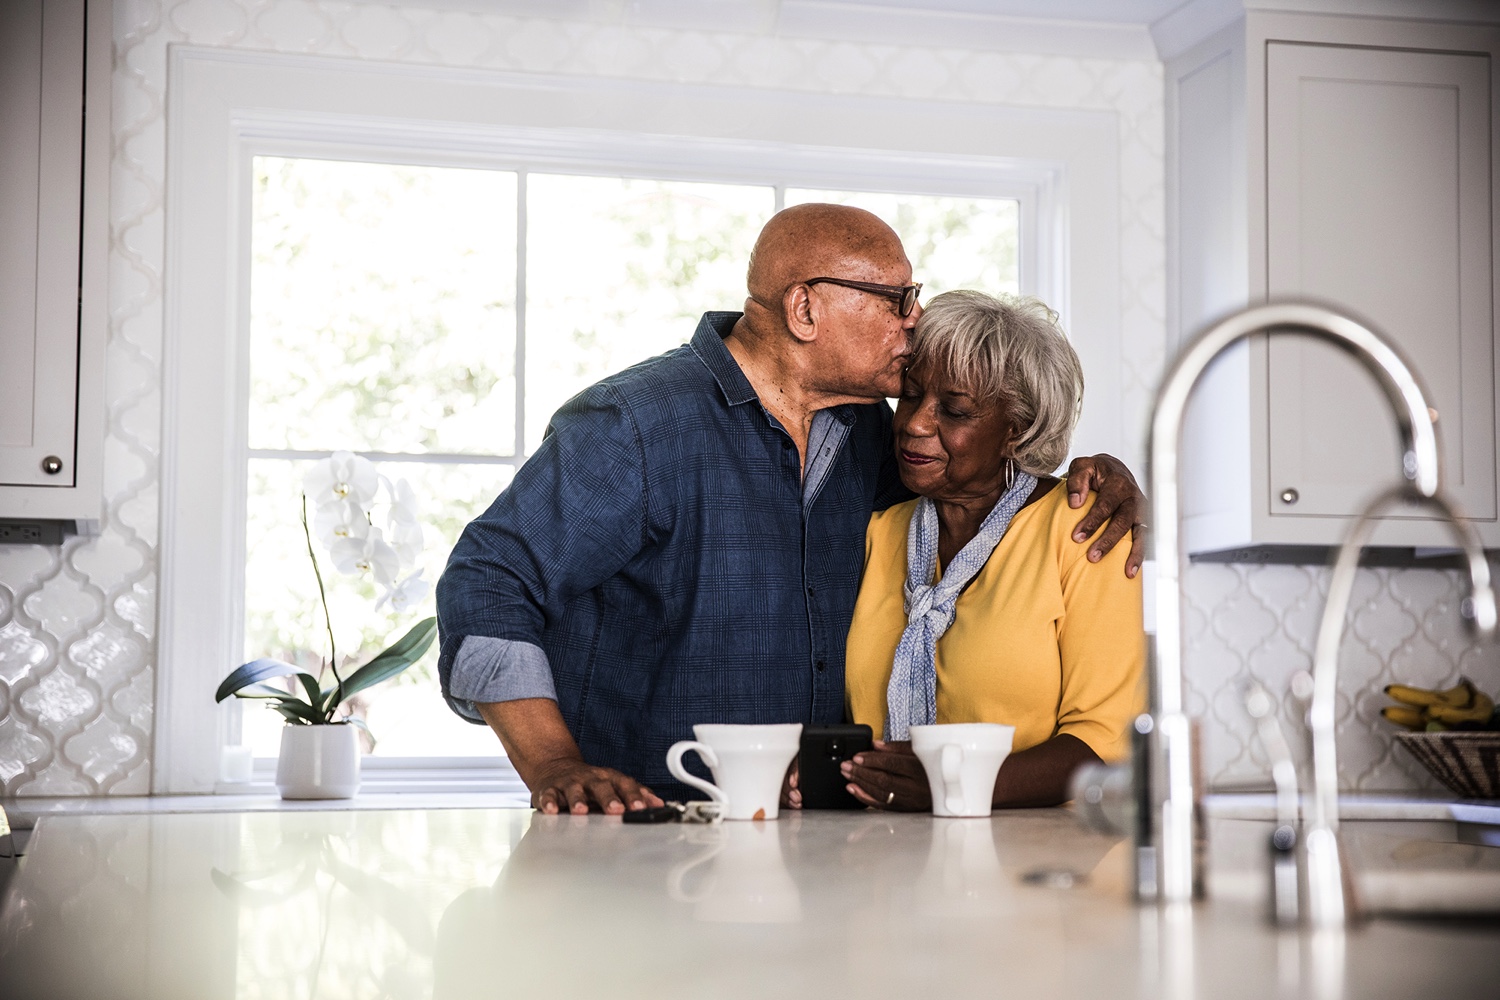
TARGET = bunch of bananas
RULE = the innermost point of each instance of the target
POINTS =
(1460, 707)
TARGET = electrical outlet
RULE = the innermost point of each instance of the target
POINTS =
(31, 532)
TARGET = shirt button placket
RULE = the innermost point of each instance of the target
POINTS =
(819, 653)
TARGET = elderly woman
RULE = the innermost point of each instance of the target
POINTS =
(975, 605)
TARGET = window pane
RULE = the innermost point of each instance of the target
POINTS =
(618, 270)
(382, 307)
(284, 618)
(951, 242)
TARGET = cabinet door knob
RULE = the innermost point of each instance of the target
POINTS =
(51, 465)
(1289, 495)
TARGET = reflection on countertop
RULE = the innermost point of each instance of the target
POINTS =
(461, 903)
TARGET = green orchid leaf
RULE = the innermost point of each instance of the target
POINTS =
(297, 712)
(263, 691)
(401, 654)
(261, 670)
(314, 693)
(360, 724)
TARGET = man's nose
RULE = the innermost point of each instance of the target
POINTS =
(916, 314)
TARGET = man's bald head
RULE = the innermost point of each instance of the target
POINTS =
(826, 343)
(816, 240)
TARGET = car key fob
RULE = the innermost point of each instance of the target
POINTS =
(669, 813)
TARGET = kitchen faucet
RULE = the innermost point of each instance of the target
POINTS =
(1328, 903)
(1286, 908)
(1165, 821)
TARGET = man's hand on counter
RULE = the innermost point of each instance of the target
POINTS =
(543, 753)
(576, 787)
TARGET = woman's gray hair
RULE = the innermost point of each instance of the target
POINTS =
(1009, 348)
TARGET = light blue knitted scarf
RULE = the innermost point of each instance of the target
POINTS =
(911, 697)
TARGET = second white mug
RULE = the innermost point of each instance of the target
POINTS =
(748, 765)
(961, 761)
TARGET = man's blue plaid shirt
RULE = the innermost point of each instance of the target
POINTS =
(661, 557)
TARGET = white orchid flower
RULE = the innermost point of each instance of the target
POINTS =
(405, 594)
(342, 477)
(345, 519)
(371, 554)
(404, 526)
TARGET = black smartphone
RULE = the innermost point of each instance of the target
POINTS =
(823, 749)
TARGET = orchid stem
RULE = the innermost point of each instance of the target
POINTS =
(333, 655)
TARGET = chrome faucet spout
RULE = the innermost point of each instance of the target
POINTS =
(1328, 902)
(1165, 857)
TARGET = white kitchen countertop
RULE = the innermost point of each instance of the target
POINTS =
(503, 902)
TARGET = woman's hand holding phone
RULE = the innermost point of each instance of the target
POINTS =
(889, 777)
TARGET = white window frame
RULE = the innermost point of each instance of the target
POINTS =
(227, 107)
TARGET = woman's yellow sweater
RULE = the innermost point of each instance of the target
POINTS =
(1042, 639)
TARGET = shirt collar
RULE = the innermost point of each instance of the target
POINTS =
(708, 344)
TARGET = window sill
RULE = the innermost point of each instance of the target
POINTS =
(384, 785)
(384, 776)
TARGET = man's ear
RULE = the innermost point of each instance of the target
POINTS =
(801, 319)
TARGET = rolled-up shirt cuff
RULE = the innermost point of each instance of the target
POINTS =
(488, 669)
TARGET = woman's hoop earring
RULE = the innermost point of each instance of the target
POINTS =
(1010, 473)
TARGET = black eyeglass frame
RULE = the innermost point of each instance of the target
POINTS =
(905, 296)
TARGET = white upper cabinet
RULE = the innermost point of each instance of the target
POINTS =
(1378, 170)
(54, 164)
(1348, 161)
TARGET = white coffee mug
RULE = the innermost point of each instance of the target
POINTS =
(962, 760)
(748, 765)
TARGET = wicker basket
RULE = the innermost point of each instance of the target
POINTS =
(1467, 762)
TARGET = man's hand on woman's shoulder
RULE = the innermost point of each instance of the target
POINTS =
(1119, 505)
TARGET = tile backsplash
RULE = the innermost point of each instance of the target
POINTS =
(77, 623)
(1259, 623)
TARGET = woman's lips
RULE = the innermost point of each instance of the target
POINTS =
(912, 458)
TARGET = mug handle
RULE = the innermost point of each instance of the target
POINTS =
(953, 777)
(707, 755)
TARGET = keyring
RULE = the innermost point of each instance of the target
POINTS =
(701, 812)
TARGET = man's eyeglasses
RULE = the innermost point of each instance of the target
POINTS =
(905, 296)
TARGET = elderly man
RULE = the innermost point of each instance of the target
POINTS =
(686, 544)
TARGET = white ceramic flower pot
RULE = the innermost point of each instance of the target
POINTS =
(318, 762)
